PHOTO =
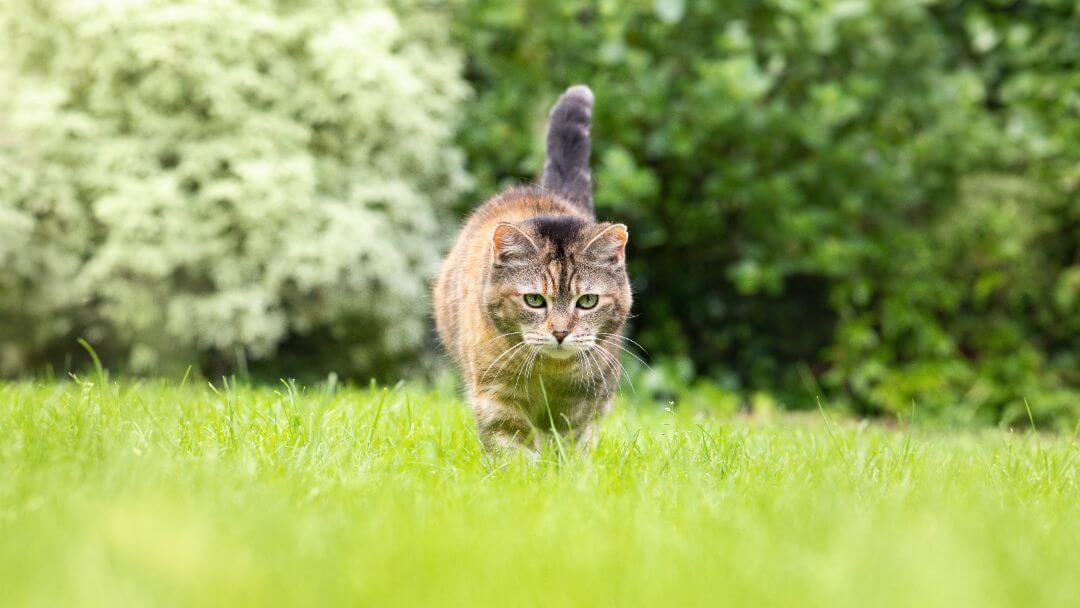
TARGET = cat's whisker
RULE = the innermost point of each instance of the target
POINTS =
(627, 351)
(529, 371)
(620, 340)
(501, 355)
(612, 365)
(587, 372)
(585, 362)
(582, 367)
(600, 374)
(521, 368)
(512, 333)
(530, 354)
(618, 366)
(622, 337)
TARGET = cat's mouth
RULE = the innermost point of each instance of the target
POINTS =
(560, 351)
(568, 349)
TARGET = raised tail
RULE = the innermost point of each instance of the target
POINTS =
(566, 170)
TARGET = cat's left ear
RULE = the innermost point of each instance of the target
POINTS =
(608, 247)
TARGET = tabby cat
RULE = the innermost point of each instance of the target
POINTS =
(532, 299)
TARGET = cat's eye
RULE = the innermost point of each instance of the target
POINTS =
(535, 300)
(588, 301)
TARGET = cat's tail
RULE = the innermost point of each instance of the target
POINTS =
(566, 170)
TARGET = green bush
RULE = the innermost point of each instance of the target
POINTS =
(186, 181)
(877, 200)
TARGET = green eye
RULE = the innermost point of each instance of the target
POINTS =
(588, 301)
(535, 300)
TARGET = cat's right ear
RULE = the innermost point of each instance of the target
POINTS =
(510, 245)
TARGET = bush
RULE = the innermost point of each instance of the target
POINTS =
(877, 200)
(185, 181)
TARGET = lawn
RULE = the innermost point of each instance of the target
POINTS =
(152, 493)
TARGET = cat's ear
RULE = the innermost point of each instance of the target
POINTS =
(510, 245)
(608, 247)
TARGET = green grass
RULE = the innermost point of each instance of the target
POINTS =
(155, 494)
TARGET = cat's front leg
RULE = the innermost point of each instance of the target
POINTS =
(585, 437)
(504, 428)
(584, 423)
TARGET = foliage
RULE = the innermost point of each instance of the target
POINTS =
(878, 200)
(154, 493)
(185, 181)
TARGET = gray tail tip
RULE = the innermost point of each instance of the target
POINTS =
(579, 92)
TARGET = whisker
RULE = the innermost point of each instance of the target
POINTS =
(524, 362)
(599, 363)
(587, 377)
(529, 371)
(627, 351)
(501, 336)
(622, 337)
(617, 365)
(501, 355)
(521, 369)
(586, 368)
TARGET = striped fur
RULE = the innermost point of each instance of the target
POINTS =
(523, 380)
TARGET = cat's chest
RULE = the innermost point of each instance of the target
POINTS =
(559, 389)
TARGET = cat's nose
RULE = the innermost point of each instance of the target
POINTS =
(560, 335)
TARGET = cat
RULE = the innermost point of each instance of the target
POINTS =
(532, 299)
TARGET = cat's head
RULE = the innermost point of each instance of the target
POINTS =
(560, 281)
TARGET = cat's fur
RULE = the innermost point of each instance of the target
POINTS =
(523, 381)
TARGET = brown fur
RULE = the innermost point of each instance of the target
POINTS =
(516, 390)
(535, 354)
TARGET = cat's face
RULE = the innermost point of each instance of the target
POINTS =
(560, 282)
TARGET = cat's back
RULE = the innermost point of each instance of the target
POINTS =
(458, 293)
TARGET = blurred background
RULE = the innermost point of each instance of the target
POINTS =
(874, 203)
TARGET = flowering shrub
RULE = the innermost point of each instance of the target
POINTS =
(180, 180)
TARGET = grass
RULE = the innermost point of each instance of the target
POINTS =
(151, 493)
